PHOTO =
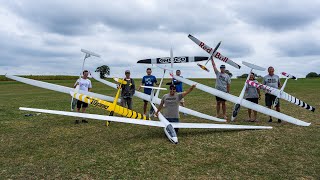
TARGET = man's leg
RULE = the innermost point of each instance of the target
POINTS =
(145, 107)
(255, 115)
(79, 103)
(224, 109)
(249, 113)
(129, 102)
(278, 109)
(218, 108)
(123, 102)
(84, 107)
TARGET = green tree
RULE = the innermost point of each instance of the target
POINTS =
(312, 75)
(243, 76)
(104, 70)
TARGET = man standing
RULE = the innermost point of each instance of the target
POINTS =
(127, 91)
(179, 88)
(272, 80)
(148, 80)
(84, 85)
(223, 82)
(171, 102)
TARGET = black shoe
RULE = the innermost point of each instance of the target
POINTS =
(270, 120)
(84, 121)
(279, 120)
(76, 122)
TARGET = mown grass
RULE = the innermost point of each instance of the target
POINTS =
(50, 146)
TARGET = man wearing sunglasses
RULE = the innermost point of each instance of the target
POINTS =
(171, 102)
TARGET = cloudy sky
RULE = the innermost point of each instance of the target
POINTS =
(45, 37)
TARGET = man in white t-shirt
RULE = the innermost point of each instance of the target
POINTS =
(84, 85)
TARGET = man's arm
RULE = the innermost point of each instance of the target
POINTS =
(90, 86)
(279, 83)
(133, 87)
(188, 91)
(76, 83)
(228, 88)
(214, 66)
(159, 108)
(141, 84)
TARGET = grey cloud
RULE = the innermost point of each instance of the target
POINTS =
(277, 15)
(77, 19)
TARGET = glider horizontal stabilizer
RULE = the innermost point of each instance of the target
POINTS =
(289, 75)
(253, 66)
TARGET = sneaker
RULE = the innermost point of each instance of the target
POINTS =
(76, 122)
(84, 121)
(279, 120)
(270, 120)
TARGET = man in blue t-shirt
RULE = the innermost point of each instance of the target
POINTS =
(148, 80)
(179, 87)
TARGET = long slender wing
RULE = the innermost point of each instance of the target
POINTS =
(167, 60)
(283, 95)
(97, 117)
(214, 54)
(57, 88)
(216, 126)
(244, 102)
(157, 100)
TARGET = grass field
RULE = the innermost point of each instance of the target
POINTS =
(50, 146)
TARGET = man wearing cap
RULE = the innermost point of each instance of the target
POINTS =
(223, 82)
(171, 102)
(179, 87)
(148, 80)
(127, 91)
(272, 80)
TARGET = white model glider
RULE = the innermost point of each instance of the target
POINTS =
(213, 52)
(167, 126)
(56, 87)
(288, 76)
(236, 107)
(283, 95)
(244, 102)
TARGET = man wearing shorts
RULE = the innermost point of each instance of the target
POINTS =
(179, 88)
(84, 85)
(223, 82)
(252, 94)
(170, 102)
(272, 80)
(148, 80)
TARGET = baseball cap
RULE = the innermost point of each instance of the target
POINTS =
(172, 86)
(223, 66)
(127, 71)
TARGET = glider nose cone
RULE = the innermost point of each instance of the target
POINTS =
(171, 134)
(174, 140)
